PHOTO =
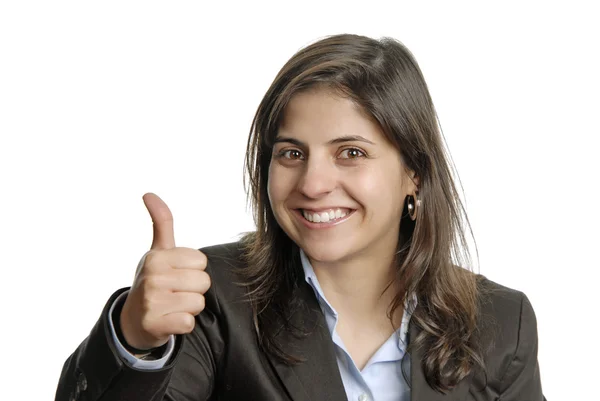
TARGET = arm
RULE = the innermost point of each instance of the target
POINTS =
(168, 297)
(97, 372)
(522, 379)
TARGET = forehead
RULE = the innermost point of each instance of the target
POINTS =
(321, 114)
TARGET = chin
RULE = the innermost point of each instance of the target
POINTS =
(325, 251)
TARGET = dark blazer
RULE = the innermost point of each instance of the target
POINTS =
(221, 360)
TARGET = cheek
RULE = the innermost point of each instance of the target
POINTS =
(378, 191)
(278, 185)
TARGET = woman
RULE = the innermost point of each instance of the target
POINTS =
(352, 285)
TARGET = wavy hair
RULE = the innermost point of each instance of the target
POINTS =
(433, 261)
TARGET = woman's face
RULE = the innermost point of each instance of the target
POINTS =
(336, 185)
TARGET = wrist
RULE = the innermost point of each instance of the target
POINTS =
(146, 353)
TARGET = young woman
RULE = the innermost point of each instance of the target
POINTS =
(355, 284)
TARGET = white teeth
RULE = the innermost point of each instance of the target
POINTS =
(307, 216)
(324, 217)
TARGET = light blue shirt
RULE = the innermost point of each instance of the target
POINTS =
(380, 380)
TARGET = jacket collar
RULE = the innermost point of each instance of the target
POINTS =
(318, 377)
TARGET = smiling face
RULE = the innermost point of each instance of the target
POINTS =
(336, 184)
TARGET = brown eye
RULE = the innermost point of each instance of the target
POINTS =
(292, 154)
(352, 153)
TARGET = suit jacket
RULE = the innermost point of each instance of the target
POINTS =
(221, 360)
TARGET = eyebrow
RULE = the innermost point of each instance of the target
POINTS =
(341, 139)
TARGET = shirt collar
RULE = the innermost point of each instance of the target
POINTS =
(331, 313)
(311, 278)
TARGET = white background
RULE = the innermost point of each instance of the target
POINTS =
(102, 102)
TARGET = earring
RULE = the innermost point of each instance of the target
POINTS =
(412, 205)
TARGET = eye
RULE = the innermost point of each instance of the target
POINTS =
(352, 153)
(291, 154)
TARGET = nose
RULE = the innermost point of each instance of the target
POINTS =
(319, 178)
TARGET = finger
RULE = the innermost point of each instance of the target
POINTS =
(162, 222)
(176, 323)
(185, 258)
(185, 280)
(189, 302)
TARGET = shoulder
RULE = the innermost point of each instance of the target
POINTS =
(224, 260)
(222, 253)
(507, 312)
(501, 302)
(508, 328)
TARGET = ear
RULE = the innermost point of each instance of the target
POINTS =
(416, 180)
(413, 182)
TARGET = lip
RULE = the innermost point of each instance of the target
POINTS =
(322, 225)
(323, 209)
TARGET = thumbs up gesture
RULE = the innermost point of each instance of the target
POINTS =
(169, 286)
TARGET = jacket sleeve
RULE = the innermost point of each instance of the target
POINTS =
(97, 372)
(132, 359)
(521, 381)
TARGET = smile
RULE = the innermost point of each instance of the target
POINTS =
(323, 218)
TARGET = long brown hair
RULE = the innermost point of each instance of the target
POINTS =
(383, 78)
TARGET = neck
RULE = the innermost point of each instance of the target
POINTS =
(356, 288)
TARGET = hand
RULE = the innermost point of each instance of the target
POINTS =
(169, 286)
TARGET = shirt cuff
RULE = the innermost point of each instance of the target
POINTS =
(133, 361)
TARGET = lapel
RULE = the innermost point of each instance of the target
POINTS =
(318, 377)
(420, 389)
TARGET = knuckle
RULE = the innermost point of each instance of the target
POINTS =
(151, 259)
(153, 282)
(201, 259)
(151, 302)
(154, 262)
(200, 303)
(207, 280)
(188, 323)
(199, 276)
(194, 257)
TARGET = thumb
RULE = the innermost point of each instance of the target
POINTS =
(162, 222)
